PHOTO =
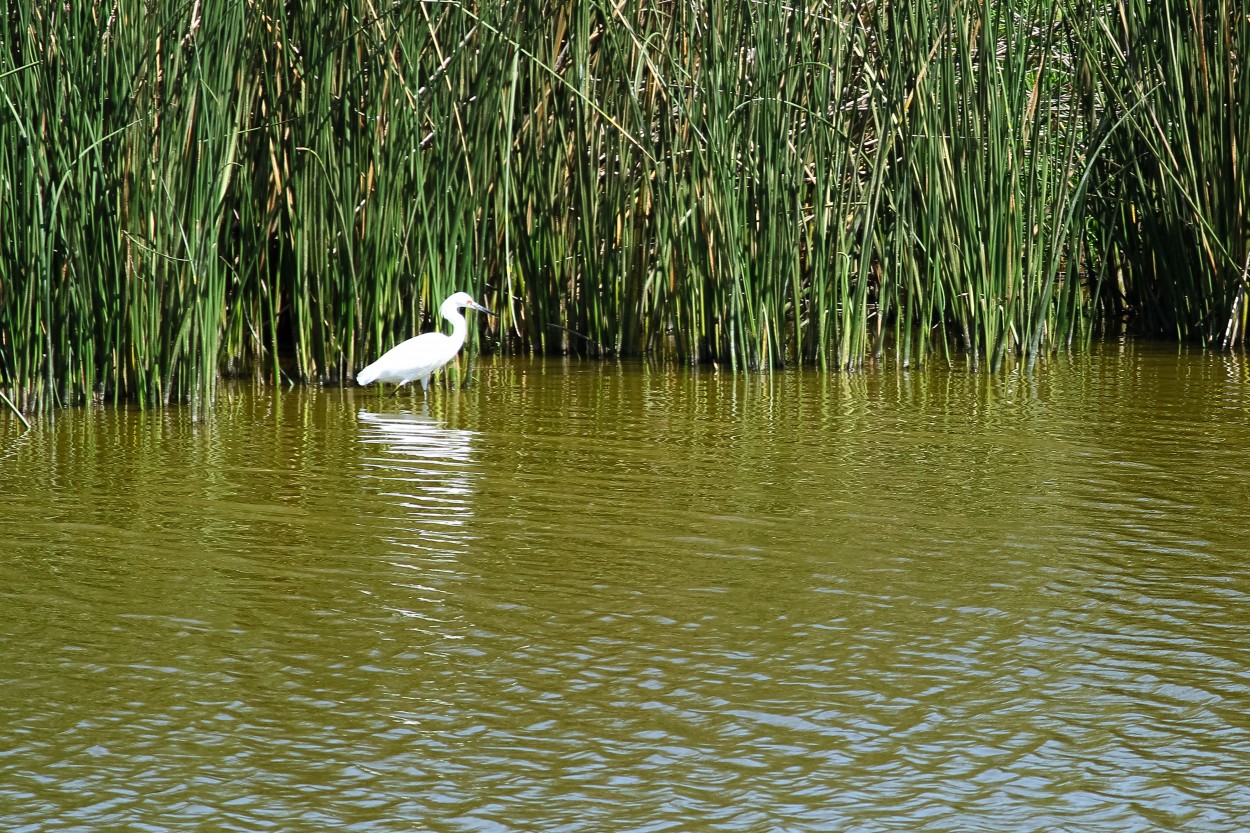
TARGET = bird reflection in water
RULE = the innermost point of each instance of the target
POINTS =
(427, 471)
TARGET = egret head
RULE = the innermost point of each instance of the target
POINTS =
(461, 300)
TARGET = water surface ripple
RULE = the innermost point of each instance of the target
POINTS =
(587, 597)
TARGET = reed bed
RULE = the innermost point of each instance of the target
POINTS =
(284, 189)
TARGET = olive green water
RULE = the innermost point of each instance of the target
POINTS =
(595, 597)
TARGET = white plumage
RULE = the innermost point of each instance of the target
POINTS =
(416, 359)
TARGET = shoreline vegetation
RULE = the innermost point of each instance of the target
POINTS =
(287, 189)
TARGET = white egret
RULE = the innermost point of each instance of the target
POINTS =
(417, 358)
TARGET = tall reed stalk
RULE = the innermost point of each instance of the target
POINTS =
(284, 189)
(1174, 190)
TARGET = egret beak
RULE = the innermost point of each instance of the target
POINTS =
(480, 308)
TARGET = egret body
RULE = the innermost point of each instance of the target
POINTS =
(416, 359)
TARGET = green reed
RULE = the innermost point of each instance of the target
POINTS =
(1174, 192)
(284, 190)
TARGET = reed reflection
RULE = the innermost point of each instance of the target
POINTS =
(428, 472)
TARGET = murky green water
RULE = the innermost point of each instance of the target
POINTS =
(591, 597)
